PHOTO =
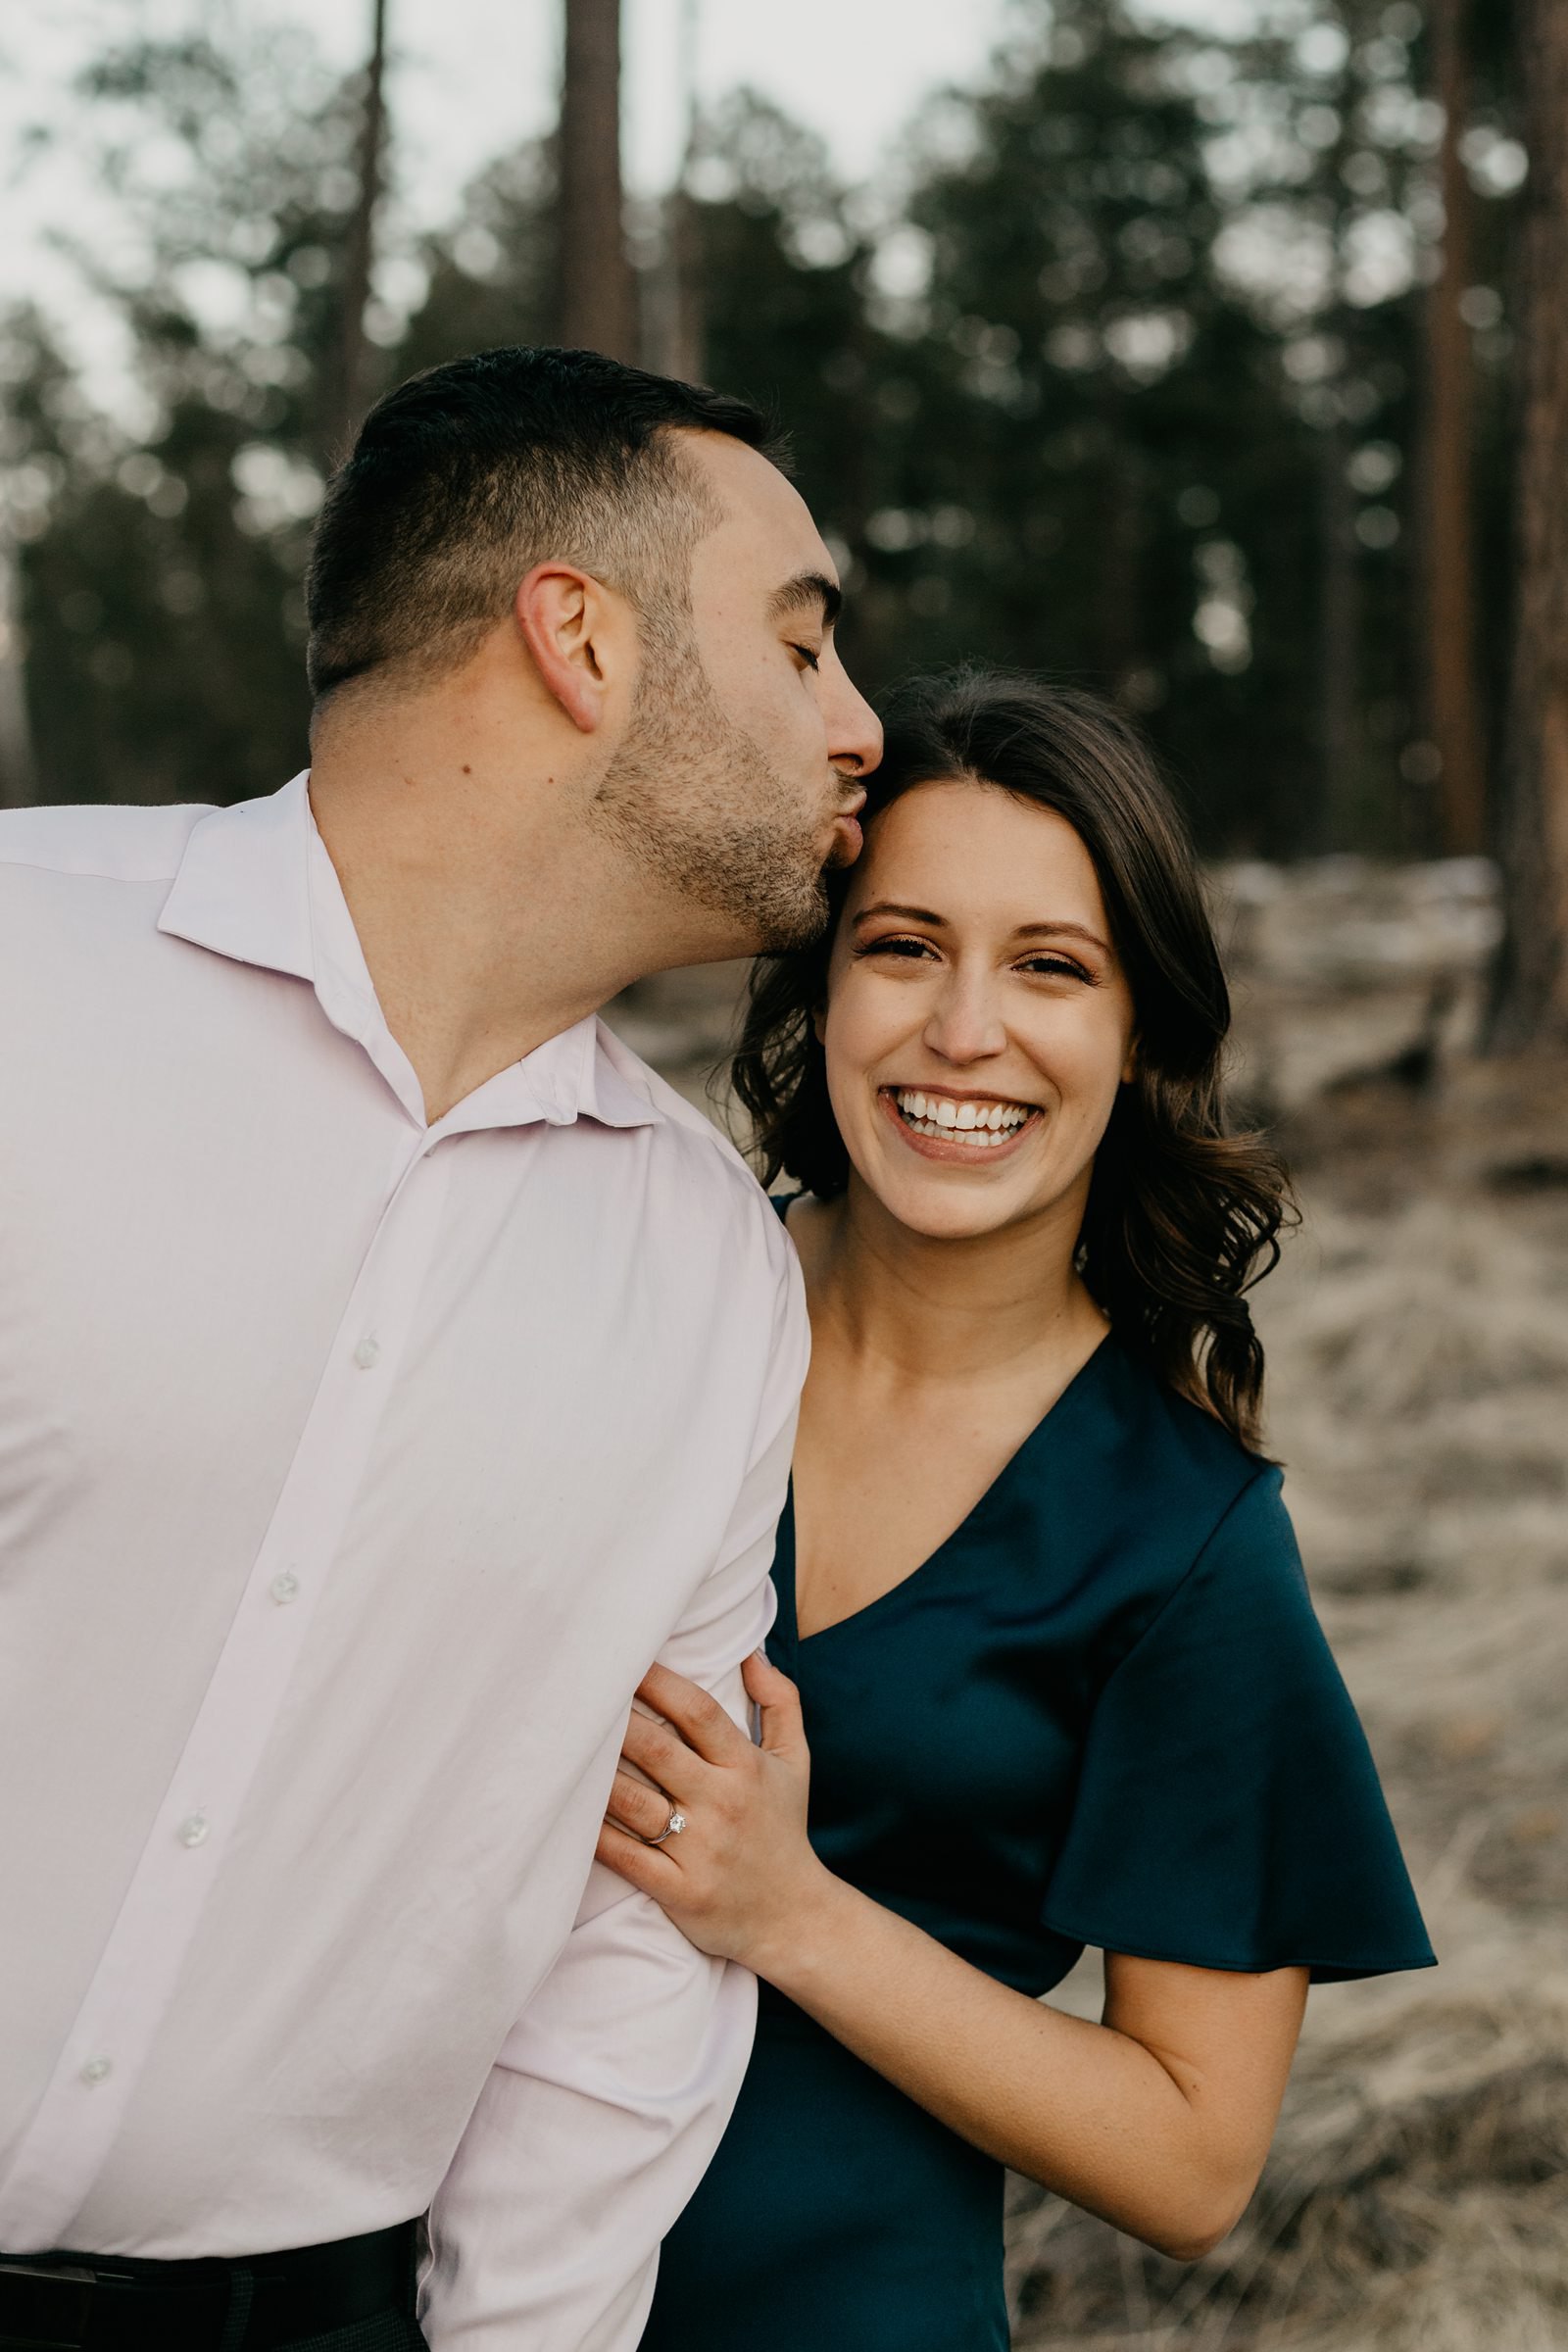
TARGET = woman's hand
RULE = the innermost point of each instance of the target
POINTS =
(1157, 2118)
(740, 1879)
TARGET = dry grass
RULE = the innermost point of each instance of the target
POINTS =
(1436, 2223)
(1417, 2199)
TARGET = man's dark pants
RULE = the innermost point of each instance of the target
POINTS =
(357, 2295)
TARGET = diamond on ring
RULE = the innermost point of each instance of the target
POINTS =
(672, 1827)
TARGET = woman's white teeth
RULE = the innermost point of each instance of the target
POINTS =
(982, 1122)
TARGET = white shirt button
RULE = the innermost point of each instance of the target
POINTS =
(193, 1829)
(365, 1353)
(284, 1588)
(97, 2070)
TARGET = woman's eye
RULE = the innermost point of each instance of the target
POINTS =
(812, 660)
(1056, 967)
(904, 947)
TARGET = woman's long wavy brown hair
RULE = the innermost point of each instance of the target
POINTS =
(1183, 1215)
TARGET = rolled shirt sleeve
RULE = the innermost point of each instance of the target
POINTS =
(614, 2087)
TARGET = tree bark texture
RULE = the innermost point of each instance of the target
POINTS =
(17, 780)
(1453, 712)
(351, 374)
(1534, 995)
(598, 291)
(1339, 680)
(681, 227)
(1339, 745)
(1119, 639)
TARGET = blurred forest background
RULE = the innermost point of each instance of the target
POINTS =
(1178, 362)
(1215, 356)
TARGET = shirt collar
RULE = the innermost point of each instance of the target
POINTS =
(241, 884)
(256, 884)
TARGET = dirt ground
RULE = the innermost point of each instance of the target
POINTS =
(1417, 2201)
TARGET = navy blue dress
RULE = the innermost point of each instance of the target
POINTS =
(1102, 1713)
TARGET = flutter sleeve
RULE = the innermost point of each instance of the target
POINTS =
(1227, 1813)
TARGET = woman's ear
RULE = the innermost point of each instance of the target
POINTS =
(1129, 1068)
(819, 1023)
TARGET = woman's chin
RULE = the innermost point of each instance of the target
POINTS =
(944, 1201)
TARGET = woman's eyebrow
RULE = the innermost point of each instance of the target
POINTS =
(907, 914)
(1062, 931)
(939, 922)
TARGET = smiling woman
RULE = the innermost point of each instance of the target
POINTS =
(1174, 1215)
(1044, 1673)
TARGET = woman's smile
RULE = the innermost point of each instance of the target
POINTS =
(964, 1130)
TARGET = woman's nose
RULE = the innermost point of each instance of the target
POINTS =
(966, 1024)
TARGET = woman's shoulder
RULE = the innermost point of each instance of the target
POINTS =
(1153, 1443)
(1126, 1489)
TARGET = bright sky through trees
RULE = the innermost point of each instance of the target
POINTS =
(472, 77)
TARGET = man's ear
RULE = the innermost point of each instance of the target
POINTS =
(563, 617)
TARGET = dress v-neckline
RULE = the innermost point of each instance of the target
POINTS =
(784, 1559)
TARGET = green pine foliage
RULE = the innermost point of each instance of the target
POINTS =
(1114, 371)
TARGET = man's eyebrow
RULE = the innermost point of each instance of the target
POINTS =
(806, 589)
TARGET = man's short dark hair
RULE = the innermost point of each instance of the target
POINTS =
(468, 476)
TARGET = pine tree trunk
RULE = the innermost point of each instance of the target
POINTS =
(350, 377)
(17, 781)
(1453, 718)
(674, 337)
(1338, 680)
(1118, 640)
(598, 293)
(1340, 740)
(1533, 993)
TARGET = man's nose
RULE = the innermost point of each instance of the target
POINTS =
(854, 729)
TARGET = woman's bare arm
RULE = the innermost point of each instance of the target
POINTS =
(1158, 2118)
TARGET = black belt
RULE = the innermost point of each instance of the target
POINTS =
(123, 2303)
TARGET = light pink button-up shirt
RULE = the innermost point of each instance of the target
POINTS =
(352, 1471)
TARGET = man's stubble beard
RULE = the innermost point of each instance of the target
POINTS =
(695, 801)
